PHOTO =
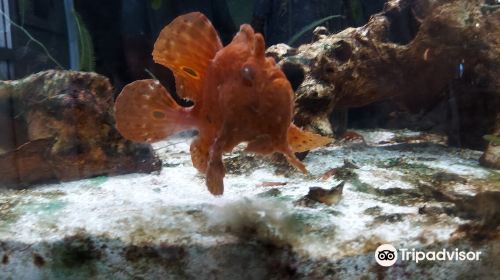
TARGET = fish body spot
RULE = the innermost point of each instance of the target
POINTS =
(191, 72)
(158, 115)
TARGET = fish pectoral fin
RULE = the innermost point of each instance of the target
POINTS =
(145, 112)
(301, 141)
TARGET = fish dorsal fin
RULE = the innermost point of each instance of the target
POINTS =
(301, 141)
(186, 46)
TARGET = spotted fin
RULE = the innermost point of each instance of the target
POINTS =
(145, 112)
(186, 46)
(301, 141)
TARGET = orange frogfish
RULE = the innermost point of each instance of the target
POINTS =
(239, 95)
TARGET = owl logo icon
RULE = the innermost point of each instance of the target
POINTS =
(386, 255)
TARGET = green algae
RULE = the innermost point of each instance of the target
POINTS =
(494, 177)
(24, 202)
(74, 257)
(45, 207)
(8, 212)
(404, 165)
(99, 180)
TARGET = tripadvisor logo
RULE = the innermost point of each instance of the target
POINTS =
(387, 255)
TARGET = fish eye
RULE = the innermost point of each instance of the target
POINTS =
(248, 74)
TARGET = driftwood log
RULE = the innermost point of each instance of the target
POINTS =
(59, 126)
(419, 53)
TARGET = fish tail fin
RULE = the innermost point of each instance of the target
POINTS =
(146, 112)
(301, 141)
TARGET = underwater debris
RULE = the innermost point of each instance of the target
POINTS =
(64, 131)
(318, 194)
(351, 136)
(434, 210)
(343, 173)
(389, 218)
(274, 192)
(239, 96)
(271, 184)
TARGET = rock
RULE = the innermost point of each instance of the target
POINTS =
(430, 210)
(60, 126)
(412, 52)
(374, 211)
(280, 50)
(270, 193)
(342, 173)
(390, 218)
(319, 33)
(483, 207)
(443, 178)
(491, 156)
(321, 195)
(349, 164)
